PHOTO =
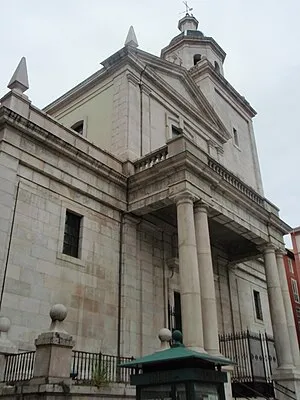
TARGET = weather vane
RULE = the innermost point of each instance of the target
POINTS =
(187, 7)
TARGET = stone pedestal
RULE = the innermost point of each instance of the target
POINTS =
(189, 275)
(287, 384)
(53, 351)
(207, 284)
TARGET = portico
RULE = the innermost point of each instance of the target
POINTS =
(208, 206)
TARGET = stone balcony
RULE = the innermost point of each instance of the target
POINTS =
(182, 166)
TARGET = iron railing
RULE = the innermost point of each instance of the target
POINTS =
(253, 353)
(19, 367)
(87, 368)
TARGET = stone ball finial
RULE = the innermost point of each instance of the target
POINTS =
(4, 324)
(58, 312)
(177, 337)
(165, 335)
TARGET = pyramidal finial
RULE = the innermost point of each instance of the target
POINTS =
(19, 80)
(131, 39)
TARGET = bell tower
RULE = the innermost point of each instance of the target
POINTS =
(192, 46)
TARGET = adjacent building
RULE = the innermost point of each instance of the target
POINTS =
(136, 200)
(292, 270)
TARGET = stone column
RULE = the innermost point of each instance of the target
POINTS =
(288, 308)
(53, 351)
(278, 316)
(207, 284)
(189, 275)
(6, 346)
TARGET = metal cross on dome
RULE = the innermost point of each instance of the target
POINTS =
(187, 7)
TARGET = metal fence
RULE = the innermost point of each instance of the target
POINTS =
(19, 367)
(254, 354)
(89, 368)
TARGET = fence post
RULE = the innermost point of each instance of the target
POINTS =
(54, 351)
(6, 346)
(250, 355)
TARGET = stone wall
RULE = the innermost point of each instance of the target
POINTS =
(40, 184)
(55, 391)
(39, 272)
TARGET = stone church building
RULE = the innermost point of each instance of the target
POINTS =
(136, 200)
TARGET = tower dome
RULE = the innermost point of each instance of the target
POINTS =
(192, 46)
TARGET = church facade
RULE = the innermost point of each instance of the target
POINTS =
(136, 200)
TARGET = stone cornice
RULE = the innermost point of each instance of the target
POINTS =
(188, 40)
(116, 61)
(206, 67)
(54, 142)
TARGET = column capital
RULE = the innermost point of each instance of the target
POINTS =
(184, 197)
(267, 248)
(280, 252)
(201, 206)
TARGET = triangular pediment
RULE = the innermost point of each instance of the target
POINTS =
(177, 82)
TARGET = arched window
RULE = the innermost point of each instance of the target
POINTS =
(197, 58)
(78, 127)
(217, 67)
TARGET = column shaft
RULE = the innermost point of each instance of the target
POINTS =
(278, 317)
(189, 275)
(288, 309)
(207, 285)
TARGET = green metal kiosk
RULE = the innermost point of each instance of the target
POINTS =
(178, 373)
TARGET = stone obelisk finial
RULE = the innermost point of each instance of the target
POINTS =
(19, 80)
(131, 39)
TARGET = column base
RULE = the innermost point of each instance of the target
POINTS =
(287, 383)
(197, 349)
(215, 353)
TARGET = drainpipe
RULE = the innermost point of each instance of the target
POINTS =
(9, 244)
(120, 286)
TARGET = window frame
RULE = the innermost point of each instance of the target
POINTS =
(196, 58)
(78, 124)
(297, 312)
(295, 290)
(235, 137)
(75, 247)
(217, 67)
(258, 305)
(290, 265)
(176, 131)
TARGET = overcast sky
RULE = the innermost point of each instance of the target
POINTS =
(64, 42)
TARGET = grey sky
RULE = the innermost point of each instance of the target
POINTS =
(64, 41)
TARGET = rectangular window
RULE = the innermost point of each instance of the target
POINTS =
(177, 311)
(298, 316)
(257, 303)
(295, 290)
(290, 264)
(235, 137)
(72, 234)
